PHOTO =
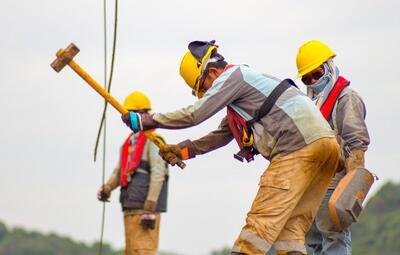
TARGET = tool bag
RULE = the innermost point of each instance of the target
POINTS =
(345, 204)
(241, 129)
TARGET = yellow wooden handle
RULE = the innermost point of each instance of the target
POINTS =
(160, 144)
(96, 86)
(109, 98)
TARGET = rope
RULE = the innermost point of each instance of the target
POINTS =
(103, 117)
(103, 123)
(103, 214)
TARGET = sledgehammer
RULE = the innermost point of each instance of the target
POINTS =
(65, 57)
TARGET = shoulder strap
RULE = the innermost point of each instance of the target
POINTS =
(124, 160)
(271, 100)
(327, 106)
(131, 160)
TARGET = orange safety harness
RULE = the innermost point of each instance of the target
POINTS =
(131, 157)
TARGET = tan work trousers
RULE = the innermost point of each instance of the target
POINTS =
(140, 241)
(290, 192)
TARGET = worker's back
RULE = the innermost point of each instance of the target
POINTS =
(293, 121)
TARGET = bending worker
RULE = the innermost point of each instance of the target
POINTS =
(143, 177)
(345, 111)
(292, 134)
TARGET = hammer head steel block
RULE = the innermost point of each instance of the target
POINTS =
(64, 57)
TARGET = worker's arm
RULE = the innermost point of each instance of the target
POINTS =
(189, 149)
(113, 182)
(350, 118)
(158, 173)
(212, 141)
(225, 90)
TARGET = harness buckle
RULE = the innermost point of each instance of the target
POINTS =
(247, 139)
(245, 153)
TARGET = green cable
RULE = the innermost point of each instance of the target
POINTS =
(109, 81)
(103, 122)
(101, 126)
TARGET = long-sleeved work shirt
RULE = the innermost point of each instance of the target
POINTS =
(348, 121)
(293, 122)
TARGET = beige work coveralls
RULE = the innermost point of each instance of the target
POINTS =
(294, 136)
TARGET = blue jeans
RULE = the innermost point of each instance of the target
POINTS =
(322, 238)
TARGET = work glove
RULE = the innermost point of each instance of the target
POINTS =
(171, 153)
(355, 160)
(133, 121)
(104, 193)
(148, 220)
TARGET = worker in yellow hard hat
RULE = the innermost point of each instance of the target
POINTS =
(143, 177)
(265, 116)
(345, 111)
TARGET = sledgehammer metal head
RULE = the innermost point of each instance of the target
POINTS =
(64, 57)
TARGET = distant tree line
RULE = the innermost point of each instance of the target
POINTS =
(18, 241)
(377, 232)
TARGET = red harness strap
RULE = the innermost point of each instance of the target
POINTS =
(327, 106)
(228, 66)
(131, 160)
(236, 124)
(238, 127)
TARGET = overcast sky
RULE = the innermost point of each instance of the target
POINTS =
(48, 180)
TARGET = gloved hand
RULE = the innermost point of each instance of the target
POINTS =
(132, 120)
(171, 153)
(355, 160)
(148, 220)
(104, 193)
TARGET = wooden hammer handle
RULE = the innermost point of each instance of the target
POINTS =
(109, 98)
(96, 86)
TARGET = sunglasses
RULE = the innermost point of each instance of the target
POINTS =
(200, 81)
(316, 75)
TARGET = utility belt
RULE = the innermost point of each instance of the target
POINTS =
(242, 129)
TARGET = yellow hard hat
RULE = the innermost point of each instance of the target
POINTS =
(137, 101)
(194, 62)
(311, 55)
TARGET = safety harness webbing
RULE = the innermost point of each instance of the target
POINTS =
(131, 157)
(239, 127)
(327, 106)
(271, 100)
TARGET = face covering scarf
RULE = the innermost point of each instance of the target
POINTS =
(320, 90)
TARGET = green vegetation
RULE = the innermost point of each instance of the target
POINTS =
(223, 251)
(377, 233)
(18, 241)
